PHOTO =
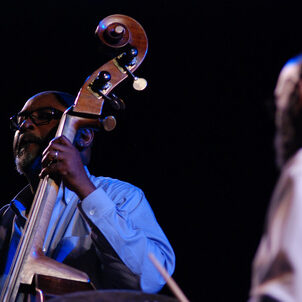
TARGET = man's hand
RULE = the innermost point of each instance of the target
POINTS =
(61, 158)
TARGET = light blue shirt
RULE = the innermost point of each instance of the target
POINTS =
(109, 235)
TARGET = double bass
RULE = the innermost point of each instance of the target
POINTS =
(30, 267)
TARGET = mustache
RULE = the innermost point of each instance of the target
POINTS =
(28, 138)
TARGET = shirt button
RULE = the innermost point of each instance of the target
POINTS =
(91, 212)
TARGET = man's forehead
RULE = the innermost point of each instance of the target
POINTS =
(43, 100)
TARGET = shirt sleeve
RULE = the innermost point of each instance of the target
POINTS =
(123, 216)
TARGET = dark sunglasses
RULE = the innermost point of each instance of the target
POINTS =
(41, 116)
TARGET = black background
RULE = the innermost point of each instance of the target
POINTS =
(198, 140)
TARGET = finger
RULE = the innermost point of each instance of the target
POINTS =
(52, 170)
(60, 143)
(48, 170)
(62, 140)
(51, 157)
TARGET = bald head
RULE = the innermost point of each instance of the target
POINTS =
(59, 99)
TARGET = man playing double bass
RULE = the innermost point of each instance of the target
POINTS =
(99, 225)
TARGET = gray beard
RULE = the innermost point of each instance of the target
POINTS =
(26, 162)
(23, 164)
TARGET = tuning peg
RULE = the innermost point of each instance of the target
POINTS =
(116, 102)
(138, 83)
(108, 123)
(113, 100)
(101, 82)
(127, 59)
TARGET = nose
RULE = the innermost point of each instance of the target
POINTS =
(26, 124)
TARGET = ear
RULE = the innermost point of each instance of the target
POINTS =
(84, 138)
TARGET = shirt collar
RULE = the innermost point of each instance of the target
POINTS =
(25, 195)
(18, 207)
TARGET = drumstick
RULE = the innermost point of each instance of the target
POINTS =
(170, 281)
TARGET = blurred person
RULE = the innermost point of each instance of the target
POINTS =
(277, 267)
